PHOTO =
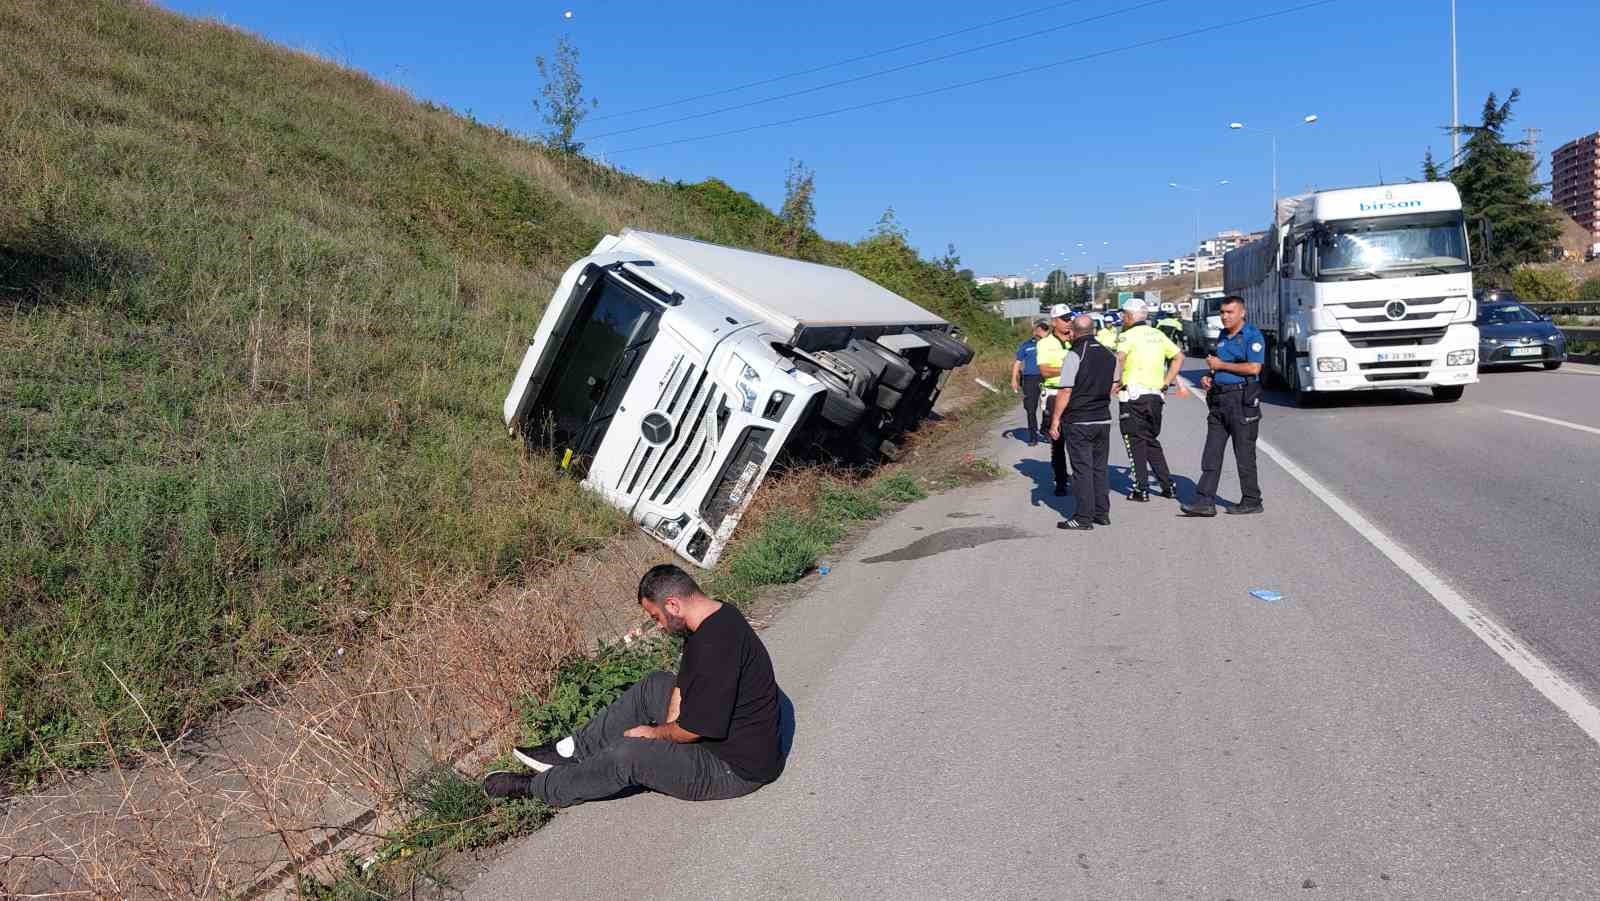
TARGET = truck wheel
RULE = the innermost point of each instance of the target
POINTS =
(1448, 394)
(840, 407)
(898, 373)
(945, 352)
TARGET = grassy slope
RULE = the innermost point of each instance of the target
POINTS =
(258, 315)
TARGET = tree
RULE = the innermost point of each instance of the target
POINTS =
(1590, 289)
(799, 212)
(564, 106)
(1543, 285)
(1497, 181)
(1430, 169)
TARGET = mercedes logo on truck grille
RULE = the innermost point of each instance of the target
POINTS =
(1395, 311)
(656, 427)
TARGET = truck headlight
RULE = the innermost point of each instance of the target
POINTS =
(747, 401)
(1331, 364)
(1464, 310)
(670, 529)
(1461, 358)
(748, 380)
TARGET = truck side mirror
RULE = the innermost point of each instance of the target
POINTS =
(1287, 271)
(1486, 239)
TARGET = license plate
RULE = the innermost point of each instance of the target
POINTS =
(1385, 358)
(1527, 351)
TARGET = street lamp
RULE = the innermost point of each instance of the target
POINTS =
(1240, 126)
(1195, 253)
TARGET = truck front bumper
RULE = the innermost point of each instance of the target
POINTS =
(1335, 364)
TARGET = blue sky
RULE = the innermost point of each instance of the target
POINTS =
(1015, 172)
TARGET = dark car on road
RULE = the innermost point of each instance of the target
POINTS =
(1510, 334)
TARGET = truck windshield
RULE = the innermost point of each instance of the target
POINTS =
(1391, 247)
(598, 360)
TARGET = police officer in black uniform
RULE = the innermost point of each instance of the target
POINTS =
(1233, 398)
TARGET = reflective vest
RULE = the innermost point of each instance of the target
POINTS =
(1148, 351)
(1109, 338)
(1052, 351)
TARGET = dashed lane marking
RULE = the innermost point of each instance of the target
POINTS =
(1560, 422)
(1556, 689)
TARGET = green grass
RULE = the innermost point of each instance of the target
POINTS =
(257, 314)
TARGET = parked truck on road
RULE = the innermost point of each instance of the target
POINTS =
(1363, 288)
(668, 374)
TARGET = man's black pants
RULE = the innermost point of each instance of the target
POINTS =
(1141, 425)
(1030, 403)
(1234, 413)
(609, 763)
(1058, 446)
(1089, 446)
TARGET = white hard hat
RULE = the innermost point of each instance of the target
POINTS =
(1135, 305)
(1060, 311)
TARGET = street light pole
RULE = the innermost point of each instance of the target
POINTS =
(1240, 126)
(1195, 253)
(1455, 94)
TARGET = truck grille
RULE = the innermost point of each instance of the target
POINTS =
(692, 402)
(1394, 337)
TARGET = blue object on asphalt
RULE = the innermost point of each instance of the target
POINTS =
(1271, 597)
(822, 569)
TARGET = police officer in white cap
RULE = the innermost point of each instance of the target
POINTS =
(1150, 363)
(1051, 353)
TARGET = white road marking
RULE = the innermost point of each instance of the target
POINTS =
(1557, 690)
(1561, 422)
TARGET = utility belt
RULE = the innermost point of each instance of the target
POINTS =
(1235, 386)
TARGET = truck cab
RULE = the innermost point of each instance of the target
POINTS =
(667, 375)
(1364, 288)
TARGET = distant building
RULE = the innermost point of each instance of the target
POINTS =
(1575, 182)
(1224, 241)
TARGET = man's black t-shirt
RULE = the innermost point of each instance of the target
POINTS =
(730, 696)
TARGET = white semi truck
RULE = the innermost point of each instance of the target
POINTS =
(668, 373)
(1363, 288)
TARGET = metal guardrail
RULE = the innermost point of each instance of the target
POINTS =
(1566, 307)
(1581, 332)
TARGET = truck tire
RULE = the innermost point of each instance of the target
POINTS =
(1448, 394)
(840, 407)
(898, 373)
(945, 352)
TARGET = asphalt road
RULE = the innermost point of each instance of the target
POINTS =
(989, 708)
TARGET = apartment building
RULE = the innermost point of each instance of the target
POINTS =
(1575, 182)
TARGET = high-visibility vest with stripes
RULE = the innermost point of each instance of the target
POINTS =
(1148, 351)
(1052, 351)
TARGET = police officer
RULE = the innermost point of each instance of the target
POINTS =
(1173, 326)
(1051, 352)
(1150, 363)
(1233, 397)
(1026, 380)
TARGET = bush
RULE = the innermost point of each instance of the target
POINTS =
(1590, 289)
(1543, 285)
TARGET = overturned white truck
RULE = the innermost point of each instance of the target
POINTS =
(668, 374)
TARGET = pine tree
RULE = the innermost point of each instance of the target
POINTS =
(1497, 181)
(1430, 169)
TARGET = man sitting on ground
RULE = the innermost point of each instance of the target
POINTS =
(710, 733)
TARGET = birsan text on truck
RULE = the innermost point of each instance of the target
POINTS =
(668, 373)
(1364, 288)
